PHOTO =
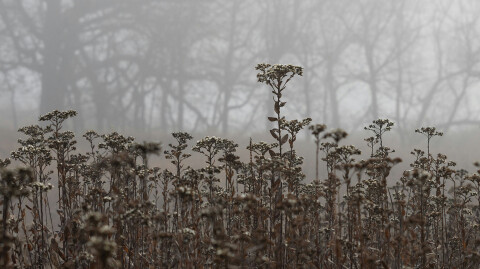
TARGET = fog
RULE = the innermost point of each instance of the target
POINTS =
(401, 77)
(166, 65)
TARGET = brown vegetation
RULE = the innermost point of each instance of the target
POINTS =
(115, 211)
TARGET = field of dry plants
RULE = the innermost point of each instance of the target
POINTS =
(110, 209)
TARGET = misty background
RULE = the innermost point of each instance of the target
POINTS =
(154, 67)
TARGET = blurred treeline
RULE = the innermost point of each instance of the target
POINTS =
(169, 65)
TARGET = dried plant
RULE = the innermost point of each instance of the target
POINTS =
(108, 208)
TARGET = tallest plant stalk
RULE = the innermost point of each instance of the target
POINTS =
(276, 77)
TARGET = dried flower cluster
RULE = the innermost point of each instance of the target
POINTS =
(108, 208)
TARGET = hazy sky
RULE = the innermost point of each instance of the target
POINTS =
(166, 65)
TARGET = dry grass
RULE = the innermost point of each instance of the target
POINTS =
(112, 210)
